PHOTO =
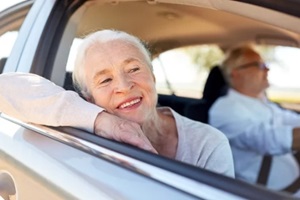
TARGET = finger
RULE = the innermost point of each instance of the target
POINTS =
(141, 142)
(132, 133)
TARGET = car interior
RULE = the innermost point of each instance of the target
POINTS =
(165, 26)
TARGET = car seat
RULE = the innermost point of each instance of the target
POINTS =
(214, 87)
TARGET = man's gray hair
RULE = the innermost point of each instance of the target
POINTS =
(101, 37)
(234, 58)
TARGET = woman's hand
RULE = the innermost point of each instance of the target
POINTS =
(122, 130)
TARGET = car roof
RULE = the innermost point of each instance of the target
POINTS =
(168, 24)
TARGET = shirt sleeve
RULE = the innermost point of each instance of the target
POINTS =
(244, 131)
(220, 160)
(288, 117)
(34, 99)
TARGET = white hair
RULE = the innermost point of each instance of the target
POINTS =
(234, 58)
(101, 37)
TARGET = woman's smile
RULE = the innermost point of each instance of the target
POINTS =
(130, 104)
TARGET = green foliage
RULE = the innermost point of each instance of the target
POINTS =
(204, 56)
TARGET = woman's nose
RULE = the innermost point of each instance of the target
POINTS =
(123, 83)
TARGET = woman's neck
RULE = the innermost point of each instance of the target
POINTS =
(162, 132)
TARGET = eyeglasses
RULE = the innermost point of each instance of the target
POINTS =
(260, 65)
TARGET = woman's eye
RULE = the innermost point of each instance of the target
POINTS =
(134, 69)
(105, 81)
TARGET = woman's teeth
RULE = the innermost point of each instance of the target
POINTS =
(130, 103)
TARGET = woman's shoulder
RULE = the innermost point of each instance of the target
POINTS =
(194, 129)
(201, 130)
(197, 130)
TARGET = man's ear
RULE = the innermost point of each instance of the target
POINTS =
(233, 73)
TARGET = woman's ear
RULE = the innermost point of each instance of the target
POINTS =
(89, 99)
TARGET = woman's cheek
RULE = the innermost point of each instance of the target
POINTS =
(101, 99)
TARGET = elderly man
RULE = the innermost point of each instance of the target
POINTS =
(255, 126)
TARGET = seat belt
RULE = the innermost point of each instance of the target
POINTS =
(264, 170)
(293, 187)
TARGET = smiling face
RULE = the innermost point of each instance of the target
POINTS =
(120, 80)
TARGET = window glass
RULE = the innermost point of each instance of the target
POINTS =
(72, 54)
(183, 71)
(7, 40)
(6, 4)
(283, 75)
(9, 33)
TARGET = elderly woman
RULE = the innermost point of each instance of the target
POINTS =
(113, 72)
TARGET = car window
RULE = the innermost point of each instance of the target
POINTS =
(7, 40)
(183, 71)
(188, 81)
(284, 74)
(9, 31)
(72, 54)
(6, 4)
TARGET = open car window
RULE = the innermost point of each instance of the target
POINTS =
(183, 71)
(10, 24)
